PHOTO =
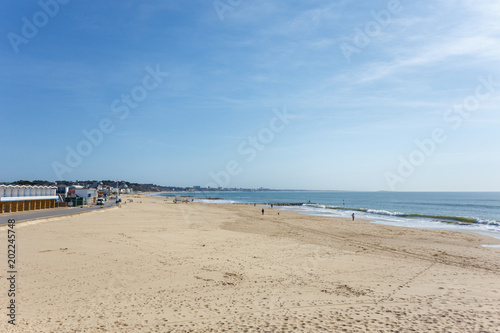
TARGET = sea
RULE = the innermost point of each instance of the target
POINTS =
(462, 211)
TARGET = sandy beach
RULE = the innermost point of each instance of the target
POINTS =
(156, 266)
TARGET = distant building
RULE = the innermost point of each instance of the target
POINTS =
(62, 191)
(102, 193)
(18, 198)
(90, 195)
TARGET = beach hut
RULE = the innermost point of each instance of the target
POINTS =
(14, 198)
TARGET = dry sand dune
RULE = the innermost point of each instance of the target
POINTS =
(155, 266)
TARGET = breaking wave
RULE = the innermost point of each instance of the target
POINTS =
(440, 218)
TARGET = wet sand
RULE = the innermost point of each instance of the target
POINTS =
(155, 266)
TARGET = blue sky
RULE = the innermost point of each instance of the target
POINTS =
(324, 95)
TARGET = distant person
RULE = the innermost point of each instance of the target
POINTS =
(262, 211)
(352, 216)
(272, 206)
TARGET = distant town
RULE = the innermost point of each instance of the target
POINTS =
(24, 195)
(128, 187)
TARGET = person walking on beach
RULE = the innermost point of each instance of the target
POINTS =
(352, 216)
(262, 211)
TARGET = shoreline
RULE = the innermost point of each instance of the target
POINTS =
(453, 224)
(155, 266)
(440, 225)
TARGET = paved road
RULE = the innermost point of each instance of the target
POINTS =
(49, 213)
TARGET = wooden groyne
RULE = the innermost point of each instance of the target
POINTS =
(285, 203)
